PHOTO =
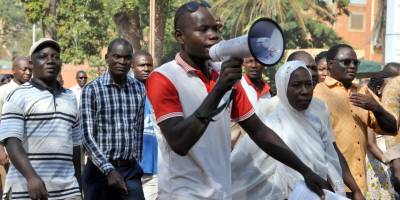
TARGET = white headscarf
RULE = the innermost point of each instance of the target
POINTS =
(305, 132)
(255, 175)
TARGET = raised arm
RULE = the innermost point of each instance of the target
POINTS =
(182, 133)
(272, 144)
(386, 121)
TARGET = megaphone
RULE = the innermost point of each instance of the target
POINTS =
(264, 42)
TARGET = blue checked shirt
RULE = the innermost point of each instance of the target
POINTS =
(112, 121)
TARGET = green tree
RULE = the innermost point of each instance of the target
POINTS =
(79, 26)
(15, 30)
(299, 19)
(131, 17)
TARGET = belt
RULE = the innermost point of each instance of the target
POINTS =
(121, 163)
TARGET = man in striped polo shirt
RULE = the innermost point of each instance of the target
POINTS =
(39, 127)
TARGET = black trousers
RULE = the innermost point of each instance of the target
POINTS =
(95, 185)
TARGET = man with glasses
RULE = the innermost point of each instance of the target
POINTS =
(185, 94)
(81, 80)
(353, 109)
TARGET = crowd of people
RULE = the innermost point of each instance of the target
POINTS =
(195, 129)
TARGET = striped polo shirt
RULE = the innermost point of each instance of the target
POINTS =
(47, 124)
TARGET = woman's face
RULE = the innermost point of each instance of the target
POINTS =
(322, 69)
(300, 89)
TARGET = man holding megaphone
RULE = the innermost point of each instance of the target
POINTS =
(186, 95)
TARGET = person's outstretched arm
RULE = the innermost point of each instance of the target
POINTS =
(19, 158)
(273, 145)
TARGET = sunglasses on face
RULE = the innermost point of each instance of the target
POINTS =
(348, 61)
(194, 5)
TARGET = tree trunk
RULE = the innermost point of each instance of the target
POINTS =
(379, 31)
(48, 24)
(162, 7)
(128, 24)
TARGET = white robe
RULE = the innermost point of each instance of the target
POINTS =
(255, 175)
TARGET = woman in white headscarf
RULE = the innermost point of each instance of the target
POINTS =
(300, 121)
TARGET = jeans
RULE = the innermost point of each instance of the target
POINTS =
(95, 185)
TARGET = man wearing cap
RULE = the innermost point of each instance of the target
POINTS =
(39, 127)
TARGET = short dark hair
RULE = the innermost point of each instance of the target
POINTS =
(141, 53)
(391, 69)
(332, 52)
(118, 41)
(296, 54)
(18, 59)
(320, 56)
(80, 72)
(377, 80)
(182, 11)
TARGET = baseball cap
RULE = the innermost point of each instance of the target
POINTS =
(44, 42)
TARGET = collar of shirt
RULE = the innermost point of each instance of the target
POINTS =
(331, 82)
(265, 90)
(209, 83)
(41, 86)
(13, 82)
(107, 80)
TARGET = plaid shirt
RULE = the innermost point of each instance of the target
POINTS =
(112, 121)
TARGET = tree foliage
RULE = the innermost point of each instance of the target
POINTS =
(81, 28)
(84, 27)
(14, 28)
(304, 21)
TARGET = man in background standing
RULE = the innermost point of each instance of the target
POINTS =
(81, 80)
(142, 66)
(22, 71)
(101, 70)
(257, 90)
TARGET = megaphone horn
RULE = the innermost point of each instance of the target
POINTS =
(264, 42)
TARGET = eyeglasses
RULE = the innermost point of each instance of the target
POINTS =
(194, 5)
(348, 61)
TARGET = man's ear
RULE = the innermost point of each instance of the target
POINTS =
(179, 36)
